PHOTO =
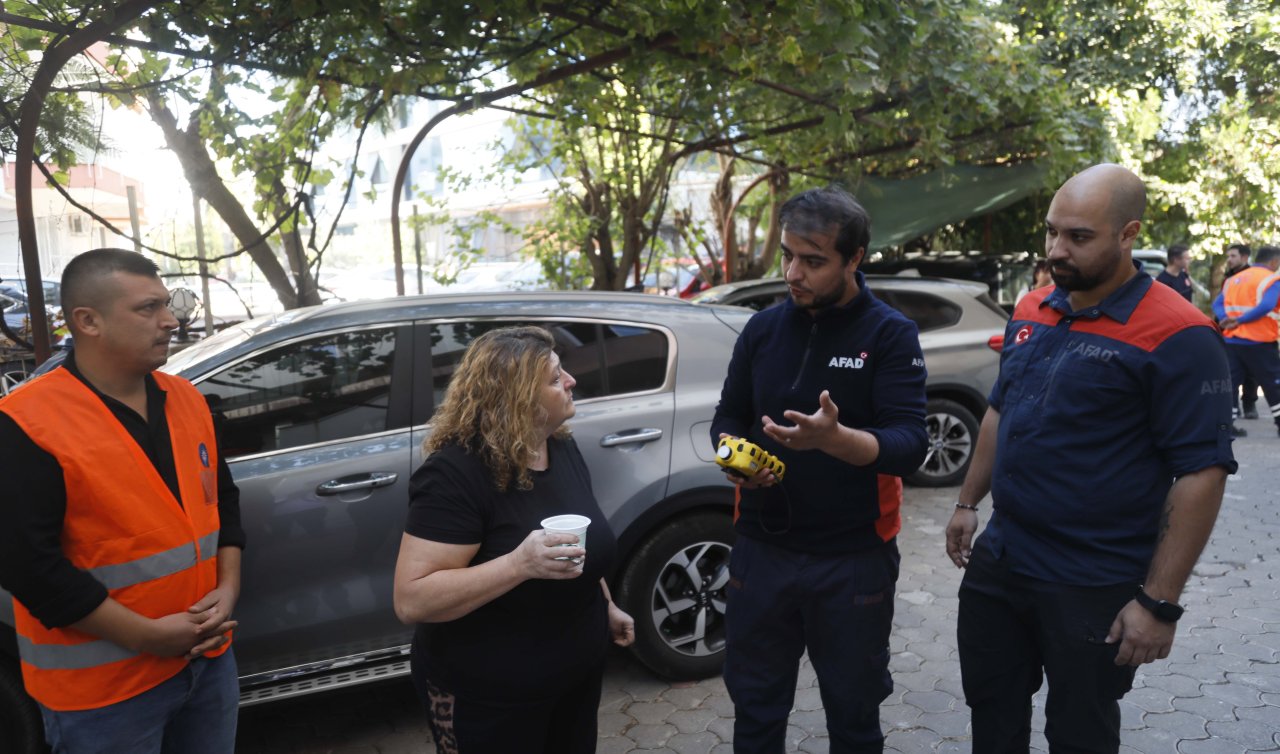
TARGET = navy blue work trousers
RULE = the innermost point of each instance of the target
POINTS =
(1262, 363)
(840, 608)
(1248, 392)
(1015, 630)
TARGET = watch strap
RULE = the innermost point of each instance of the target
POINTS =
(1163, 610)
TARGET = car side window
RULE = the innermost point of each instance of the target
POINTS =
(929, 312)
(635, 358)
(319, 390)
(605, 359)
(576, 342)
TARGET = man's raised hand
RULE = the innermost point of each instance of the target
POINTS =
(811, 430)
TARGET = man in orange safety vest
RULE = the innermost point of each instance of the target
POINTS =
(1248, 310)
(120, 538)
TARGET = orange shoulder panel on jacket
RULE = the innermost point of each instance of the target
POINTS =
(1030, 310)
(1161, 313)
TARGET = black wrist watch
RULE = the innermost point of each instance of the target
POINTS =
(1169, 612)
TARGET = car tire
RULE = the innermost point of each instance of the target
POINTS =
(953, 436)
(674, 588)
(21, 730)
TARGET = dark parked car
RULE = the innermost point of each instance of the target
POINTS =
(52, 290)
(16, 357)
(14, 307)
(13, 302)
(961, 333)
(323, 413)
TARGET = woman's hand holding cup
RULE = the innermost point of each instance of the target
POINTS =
(542, 555)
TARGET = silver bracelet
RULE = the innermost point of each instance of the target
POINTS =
(967, 507)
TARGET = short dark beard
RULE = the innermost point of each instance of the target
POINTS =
(1072, 279)
(822, 302)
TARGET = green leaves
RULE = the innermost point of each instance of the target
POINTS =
(878, 87)
(789, 51)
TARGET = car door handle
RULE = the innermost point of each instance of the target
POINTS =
(354, 482)
(648, 434)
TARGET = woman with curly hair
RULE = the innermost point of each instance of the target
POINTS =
(509, 651)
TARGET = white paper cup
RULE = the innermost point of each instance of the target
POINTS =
(569, 524)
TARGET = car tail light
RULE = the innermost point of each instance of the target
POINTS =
(996, 343)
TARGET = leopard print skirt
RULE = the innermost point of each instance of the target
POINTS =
(440, 718)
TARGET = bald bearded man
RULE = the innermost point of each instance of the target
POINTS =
(1105, 449)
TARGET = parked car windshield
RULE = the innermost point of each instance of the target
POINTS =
(225, 339)
(17, 288)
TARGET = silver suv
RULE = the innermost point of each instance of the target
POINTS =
(322, 412)
(961, 333)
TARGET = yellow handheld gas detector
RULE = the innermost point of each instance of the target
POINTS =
(745, 458)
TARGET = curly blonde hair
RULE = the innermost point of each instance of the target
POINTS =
(492, 404)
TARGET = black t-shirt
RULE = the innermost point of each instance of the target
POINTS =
(543, 634)
(1180, 282)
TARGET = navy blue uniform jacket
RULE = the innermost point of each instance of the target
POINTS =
(1100, 410)
(868, 355)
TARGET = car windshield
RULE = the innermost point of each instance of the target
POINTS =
(228, 338)
(17, 288)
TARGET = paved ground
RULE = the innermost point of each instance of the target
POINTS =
(1218, 692)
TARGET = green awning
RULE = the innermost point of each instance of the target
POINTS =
(905, 209)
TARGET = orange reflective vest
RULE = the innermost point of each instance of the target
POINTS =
(1240, 293)
(124, 527)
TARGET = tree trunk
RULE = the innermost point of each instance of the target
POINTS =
(604, 265)
(633, 244)
(699, 243)
(721, 209)
(202, 174)
(52, 60)
(308, 291)
(596, 205)
(754, 264)
(761, 263)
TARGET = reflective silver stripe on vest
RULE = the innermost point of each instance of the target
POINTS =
(159, 565)
(100, 652)
(208, 545)
(71, 656)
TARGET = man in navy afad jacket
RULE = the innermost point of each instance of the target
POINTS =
(1106, 449)
(830, 381)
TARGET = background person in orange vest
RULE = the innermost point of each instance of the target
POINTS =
(1238, 261)
(1247, 310)
(121, 539)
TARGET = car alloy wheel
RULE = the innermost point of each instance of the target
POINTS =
(953, 433)
(674, 587)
